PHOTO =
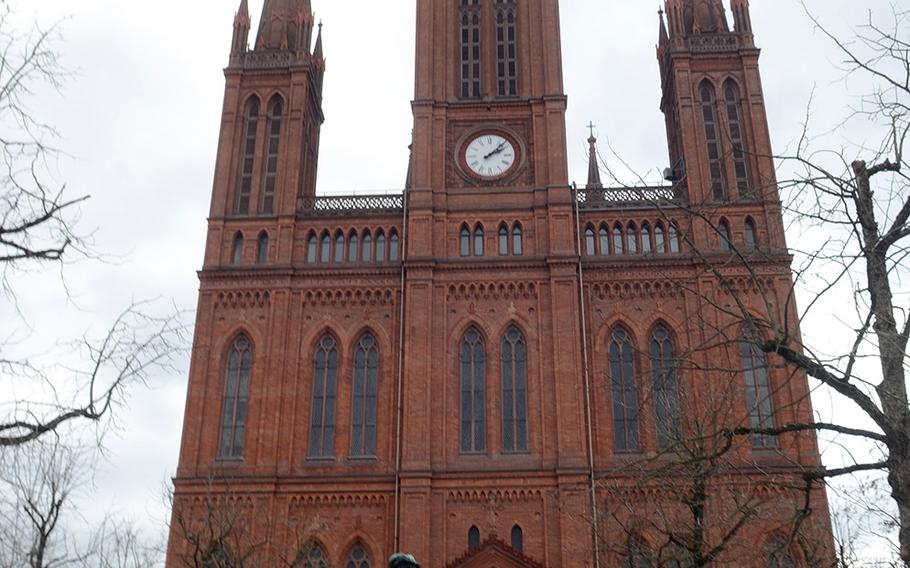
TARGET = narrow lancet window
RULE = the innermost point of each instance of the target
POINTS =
(322, 413)
(666, 387)
(366, 392)
(737, 139)
(758, 389)
(236, 399)
(473, 393)
(276, 110)
(590, 242)
(625, 392)
(393, 246)
(245, 189)
(751, 235)
(506, 48)
(514, 392)
(237, 249)
(712, 138)
(517, 240)
(470, 49)
(503, 240)
(262, 248)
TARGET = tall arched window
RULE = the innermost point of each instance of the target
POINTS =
(604, 239)
(617, 239)
(339, 247)
(473, 393)
(737, 139)
(276, 111)
(353, 246)
(393, 246)
(473, 538)
(660, 246)
(514, 392)
(358, 558)
(325, 255)
(366, 392)
(478, 241)
(631, 239)
(314, 556)
(325, 386)
(464, 244)
(470, 49)
(517, 240)
(645, 238)
(666, 387)
(503, 240)
(245, 189)
(237, 249)
(758, 389)
(380, 246)
(262, 248)
(236, 399)
(506, 49)
(367, 255)
(674, 238)
(625, 392)
(751, 235)
(723, 232)
(590, 242)
(518, 539)
(712, 137)
(312, 249)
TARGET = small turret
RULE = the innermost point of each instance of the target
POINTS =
(240, 41)
(593, 162)
(286, 25)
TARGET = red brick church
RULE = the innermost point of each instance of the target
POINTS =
(479, 370)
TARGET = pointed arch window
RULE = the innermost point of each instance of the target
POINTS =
(473, 538)
(366, 392)
(758, 388)
(248, 159)
(237, 249)
(478, 241)
(660, 246)
(604, 241)
(312, 249)
(590, 241)
(353, 247)
(674, 238)
(470, 49)
(723, 232)
(518, 539)
(645, 238)
(325, 385)
(393, 246)
(625, 392)
(751, 235)
(358, 558)
(503, 240)
(666, 387)
(367, 255)
(737, 139)
(325, 255)
(506, 48)
(464, 245)
(617, 240)
(380, 246)
(339, 247)
(276, 112)
(236, 399)
(631, 239)
(314, 556)
(517, 240)
(262, 248)
(514, 392)
(473, 392)
(712, 138)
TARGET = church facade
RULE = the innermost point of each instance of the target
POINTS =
(482, 370)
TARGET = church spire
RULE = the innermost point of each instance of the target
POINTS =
(285, 25)
(688, 17)
(593, 163)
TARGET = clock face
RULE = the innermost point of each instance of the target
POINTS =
(490, 156)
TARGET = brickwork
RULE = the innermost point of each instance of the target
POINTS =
(421, 491)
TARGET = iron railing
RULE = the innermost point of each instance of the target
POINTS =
(624, 197)
(350, 205)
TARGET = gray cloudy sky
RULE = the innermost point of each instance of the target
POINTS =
(141, 124)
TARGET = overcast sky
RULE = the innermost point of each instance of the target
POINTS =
(141, 121)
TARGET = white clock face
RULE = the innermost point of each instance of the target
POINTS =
(490, 155)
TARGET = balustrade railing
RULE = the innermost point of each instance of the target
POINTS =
(620, 197)
(350, 205)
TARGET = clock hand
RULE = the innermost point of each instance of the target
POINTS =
(498, 150)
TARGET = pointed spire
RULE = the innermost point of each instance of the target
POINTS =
(285, 25)
(593, 162)
(742, 20)
(663, 37)
(240, 41)
(317, 51)
(703, 17)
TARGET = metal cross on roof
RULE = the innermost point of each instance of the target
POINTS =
(591, 128)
